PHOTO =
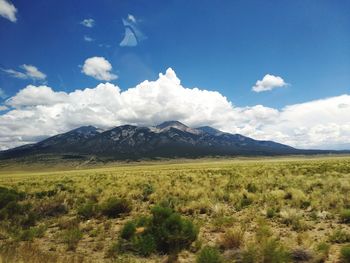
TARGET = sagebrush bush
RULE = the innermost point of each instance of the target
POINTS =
(144, 244)
(128, 230)
(172, 233)
(250, 254)
(252, 188)
(345, 254)
(71, 237)
(51, 208)
(345, 216)
(148, 189)
(232, 238)
(114, 207)
(323, 250)
(273, 251)
(165, 231)
(209, 255)
(271, 212)
(300, 255)
(31, 233)
(87, 210)
(339, 236)
(9, 195)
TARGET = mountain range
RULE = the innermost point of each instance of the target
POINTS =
(169, 140)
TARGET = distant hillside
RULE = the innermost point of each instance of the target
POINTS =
(170, 139)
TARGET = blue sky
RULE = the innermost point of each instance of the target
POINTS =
(225, 47)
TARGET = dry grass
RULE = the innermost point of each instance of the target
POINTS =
(301, 202)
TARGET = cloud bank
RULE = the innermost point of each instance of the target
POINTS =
(39, 111)
(269, 82)
(8, 10)
(98, 68)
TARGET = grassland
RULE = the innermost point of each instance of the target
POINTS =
(247, 210)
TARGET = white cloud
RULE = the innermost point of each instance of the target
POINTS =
(30, 72)
(33, 72)
(88, 22)
(36, 95)
(131, 18)
(8, 10)
(15, 74)
(2, 93)
(3, 107)
(98, 68)
(88, 39)
(269, 82)
(133, 34)
(36, 112)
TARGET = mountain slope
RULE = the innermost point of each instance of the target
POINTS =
(169, 139)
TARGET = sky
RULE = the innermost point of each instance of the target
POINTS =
(272, 70)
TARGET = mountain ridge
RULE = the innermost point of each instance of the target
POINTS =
(169, 139)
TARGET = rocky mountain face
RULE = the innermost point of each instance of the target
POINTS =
(169, 139)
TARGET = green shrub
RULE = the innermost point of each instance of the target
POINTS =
(233, 238)
(274, 252)
(345, 254)
(301, 255)
(271, 212)
(72, 237)
(250, 254)
(113, 250)
(114, 207)
(345, 216)
(172, 233)
(148, 189)
(165, 231)
(43, 194)
(252, 188)
(31, 233)
(245, 201)
(209, 255)
(144, 244)
(87, 210)
(9, 195)
(339, 236)
(322, 252)
(128, 230)
(51, 208)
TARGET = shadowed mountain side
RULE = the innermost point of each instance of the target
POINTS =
(170, 139)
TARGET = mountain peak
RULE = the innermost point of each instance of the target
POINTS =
(85, 129)
(172, 124)
(167, 125)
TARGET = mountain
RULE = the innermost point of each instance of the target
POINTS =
(209, 130)
(169, 139)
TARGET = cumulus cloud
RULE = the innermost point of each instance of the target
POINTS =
(269, 82)
(88, 22)
(98, 68)
(133, 34)
(39, 111)
(33, 95)
(8, 10)
(30, 72)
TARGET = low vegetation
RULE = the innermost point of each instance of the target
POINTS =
(265, 211)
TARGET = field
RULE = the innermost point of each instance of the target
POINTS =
(213, 210)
